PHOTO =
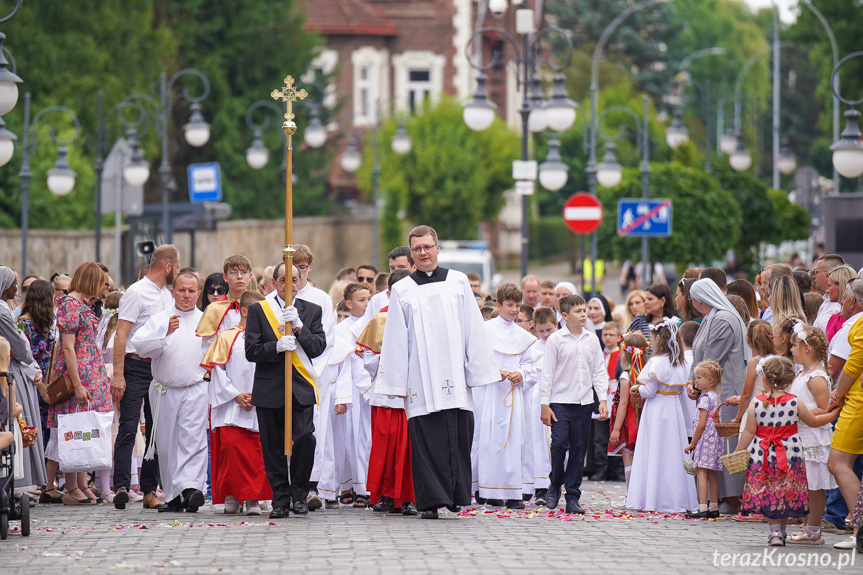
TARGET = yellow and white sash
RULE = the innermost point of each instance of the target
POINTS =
(299, 359)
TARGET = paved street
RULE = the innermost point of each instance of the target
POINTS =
(76, 540)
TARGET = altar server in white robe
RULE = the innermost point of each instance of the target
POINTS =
(237, 462)
(359, 442)
(502, 421)
(434, 350)
(179, 397)
(545, 324)
(334, 421)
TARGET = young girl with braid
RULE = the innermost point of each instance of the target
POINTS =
(812, 387)
(624, 415)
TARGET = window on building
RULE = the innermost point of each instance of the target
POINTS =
(419, 88)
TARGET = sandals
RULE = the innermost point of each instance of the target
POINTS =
(346, 498)
(70, 501)
(46, 497)
(361, 502)
(776, 539)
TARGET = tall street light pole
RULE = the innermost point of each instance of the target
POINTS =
(61, 179)
(559, 111)
(594, 96)
(776, 102)
(197, 132)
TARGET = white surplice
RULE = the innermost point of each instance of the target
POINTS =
(501, 422)
(540, 434)
(226, 383)
(178, 398)
(435, 347)
(360, 435)
(658, 481)
(332, 436)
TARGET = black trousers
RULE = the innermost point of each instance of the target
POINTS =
(138, 378)
(570, 433)
(272, 425)
(440, 458)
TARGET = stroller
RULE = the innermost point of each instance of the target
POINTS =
(11, 507)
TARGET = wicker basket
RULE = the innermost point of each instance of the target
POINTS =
(736, 462)
(724, 429)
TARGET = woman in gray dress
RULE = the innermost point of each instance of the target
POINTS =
(25, 371)
(722, 338)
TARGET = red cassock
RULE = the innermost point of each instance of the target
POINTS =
(390, 460)
(238, 465)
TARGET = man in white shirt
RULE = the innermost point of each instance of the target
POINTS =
(179, 397)
(130, 383)
(852, 311)
(573, 368)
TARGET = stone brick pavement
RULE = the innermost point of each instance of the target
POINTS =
(73, 540)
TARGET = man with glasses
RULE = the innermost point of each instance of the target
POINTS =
(399, 259)
(820, 272)
(224, 314)
(435, 348)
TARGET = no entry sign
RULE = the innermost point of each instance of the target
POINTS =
(582, 213)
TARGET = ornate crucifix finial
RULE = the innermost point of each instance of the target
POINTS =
(289, 95)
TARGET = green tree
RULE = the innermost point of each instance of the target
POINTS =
(453, 178)
(706, 219)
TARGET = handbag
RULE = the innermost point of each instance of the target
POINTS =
(689, 464)
(29, 434)
(84, 441)
(58, 389)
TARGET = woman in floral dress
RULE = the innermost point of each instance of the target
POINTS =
(81, 360)
(37, 323)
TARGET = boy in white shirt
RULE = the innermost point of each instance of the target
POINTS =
(573, 368)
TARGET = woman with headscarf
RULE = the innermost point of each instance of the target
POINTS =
(722, 338)
(26, 373)
(598, 313)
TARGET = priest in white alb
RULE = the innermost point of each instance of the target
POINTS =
(434, 351)
(178, 396)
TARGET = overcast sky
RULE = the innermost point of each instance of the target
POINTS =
(786, 7)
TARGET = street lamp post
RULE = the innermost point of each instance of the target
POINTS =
(60, 179)
(609, 172)
(676, 134)
(351, 160)
(848, 149)
(594, 97)
(558, 113)
(9, 80)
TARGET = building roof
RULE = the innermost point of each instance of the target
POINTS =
(347, 17)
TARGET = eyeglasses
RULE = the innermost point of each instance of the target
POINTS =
(365, 279)
(239, 273)
(303, 268)
(217, 291)
(420, 249)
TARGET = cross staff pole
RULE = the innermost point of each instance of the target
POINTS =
(289, 95)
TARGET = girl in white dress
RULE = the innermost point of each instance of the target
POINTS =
(812, 387)
(658, 481)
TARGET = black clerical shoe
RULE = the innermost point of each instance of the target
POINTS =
(300, 508)
(278, 512)
(495, 502)
(479, 500)
(121, 498)
(552, 497)
(430, 514)
(574, 507)
(384, 505)
(173, 506)
(192, 499)
(514, 504)
(702, 514)
(526, 497)
(409, 509)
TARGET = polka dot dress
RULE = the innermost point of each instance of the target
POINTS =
(773, 489)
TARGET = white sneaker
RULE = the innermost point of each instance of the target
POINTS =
(847, 543)
(135, 496)
(252, 508)
(232, 505)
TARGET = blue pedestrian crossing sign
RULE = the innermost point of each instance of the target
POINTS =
(205, 183)
(636, 217)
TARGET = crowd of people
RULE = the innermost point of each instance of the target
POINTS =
(411, 390)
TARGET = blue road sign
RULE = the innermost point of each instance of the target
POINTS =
(644, 217)
(205, 183)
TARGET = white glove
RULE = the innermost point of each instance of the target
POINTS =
(290, 314)
(286, 343)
